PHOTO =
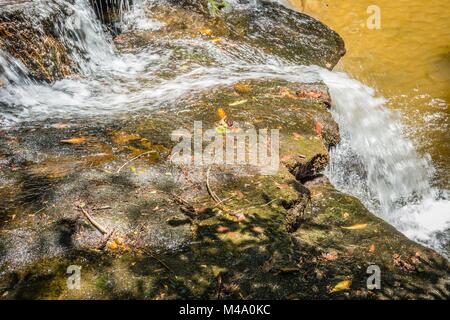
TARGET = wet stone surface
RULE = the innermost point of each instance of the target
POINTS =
(268, 237)
(205, 231)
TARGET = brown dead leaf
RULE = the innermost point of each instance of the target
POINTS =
(258, 230)
(242, 88)
(206, 32)
(79, 140)
(61, 125)
(330, 256)
(401, 263)
(222, 229)
(122, 137)
(318, 128)
(356, 227)
(297, 136)
(285, 92)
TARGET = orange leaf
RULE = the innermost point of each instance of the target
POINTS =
(75, 140)
(372, 248)
(330, 256)
(222, 229)
(318, 128)
(221, 113)
(356, 227)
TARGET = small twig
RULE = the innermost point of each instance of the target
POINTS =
(106, 239)
(222, 201)
(135, 158)
(160, 261)
(98, 226)
(210, 191)
(219, 286)
(254, 207)
(101, 208)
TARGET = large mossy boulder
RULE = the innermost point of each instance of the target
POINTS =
(293, 36)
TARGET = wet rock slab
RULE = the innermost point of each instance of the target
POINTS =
(268, 237)
(291, 36)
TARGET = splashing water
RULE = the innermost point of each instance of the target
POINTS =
(373, 162)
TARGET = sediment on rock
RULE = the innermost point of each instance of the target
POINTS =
(31, 36)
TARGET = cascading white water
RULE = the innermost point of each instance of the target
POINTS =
(373, 162)
(378, 165)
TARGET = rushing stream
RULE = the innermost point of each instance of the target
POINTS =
(373, 162)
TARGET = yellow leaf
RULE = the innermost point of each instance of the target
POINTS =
(113, 245)
(206, 32)
(221, 113)
(343, 285)
(75, 140)
(216, 40)
(242, 88)
(356, 227)
(237, 103)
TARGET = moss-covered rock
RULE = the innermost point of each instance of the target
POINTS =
(294, 36)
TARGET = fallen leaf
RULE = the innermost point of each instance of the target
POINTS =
(122, 137)
(75, 140)
(372, 248)
(296, 136)
(60, 125)
(216, 40)
(222, 229)
(242, 88)
(258, 230)
(318, 128)
(310, 94)
(345, 215)
(113, 245)
(356, 227)
(341, 286)
(237, 103)
(330, 256)
(285, 92)
(221, 113)
(206, 32)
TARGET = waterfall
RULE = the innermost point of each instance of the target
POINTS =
(381, 167)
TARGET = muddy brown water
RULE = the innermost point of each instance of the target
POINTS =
(407, 61)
